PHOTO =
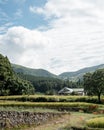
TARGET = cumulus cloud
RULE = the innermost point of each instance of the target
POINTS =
(77, 31)
(78, 9)
(62, 8)
(22, 45)
(24, 37)
(73, 39)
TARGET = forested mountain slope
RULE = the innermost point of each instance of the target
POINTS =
(79, 74)
(74, 76)
(34, 72)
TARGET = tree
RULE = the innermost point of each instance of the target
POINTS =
(10, 83)
(87, 83)
(94, 83)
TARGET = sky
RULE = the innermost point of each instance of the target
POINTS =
(56, 35)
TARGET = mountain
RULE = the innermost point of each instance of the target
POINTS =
(74, 76)
(34, 72)
(79, 74)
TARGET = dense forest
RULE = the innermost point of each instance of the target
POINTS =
(11, 83)
(49, 85)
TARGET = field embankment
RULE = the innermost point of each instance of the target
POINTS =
(23, 108)
(52, 98)
(13, 119)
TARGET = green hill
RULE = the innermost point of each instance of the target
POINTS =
(74, 76)
(34, 72)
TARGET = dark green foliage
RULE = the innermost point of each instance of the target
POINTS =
(34, 72)
(45, 85)
(10, 83)
(48, 85)
(72, 76)
(94, 83)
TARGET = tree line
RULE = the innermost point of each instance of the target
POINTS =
(48, 85)
(11, 83)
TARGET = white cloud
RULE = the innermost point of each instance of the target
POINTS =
(24, 37)
(78, 9)
(74, 40)
(5, 27)
(77, 31)
(23, 45)
(60, 8)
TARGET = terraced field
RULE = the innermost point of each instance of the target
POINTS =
(80, 108)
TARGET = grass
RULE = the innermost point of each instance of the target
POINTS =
(49, 104)
(74, 119)
(96, 122)
(29, 109)
(52, 98)
(78, 120)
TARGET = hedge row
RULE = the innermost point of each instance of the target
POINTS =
(37, 98)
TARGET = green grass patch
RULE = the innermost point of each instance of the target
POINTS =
(88, 107)
(78, 121)
(96, 122)
(51, 98)
(29, 109)
(46, 104)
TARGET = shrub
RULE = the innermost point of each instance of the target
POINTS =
(96, 122)
(92, 108)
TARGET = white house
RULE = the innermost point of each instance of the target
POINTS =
(66, 91)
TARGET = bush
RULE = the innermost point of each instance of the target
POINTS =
(96, 122)
(41, 99)
(92, 108)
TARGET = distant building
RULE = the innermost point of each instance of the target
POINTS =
(79, 91)
(67, 91)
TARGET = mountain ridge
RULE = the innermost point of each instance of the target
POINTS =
(75, 75)
(81, 72)
(31, 71)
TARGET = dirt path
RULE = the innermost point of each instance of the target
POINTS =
(55, 124)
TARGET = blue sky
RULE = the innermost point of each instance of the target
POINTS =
(17, 13)
(56, 35)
